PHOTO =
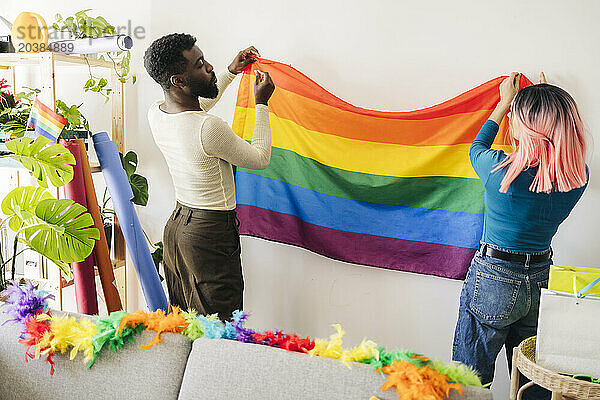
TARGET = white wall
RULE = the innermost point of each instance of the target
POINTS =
(388, 55)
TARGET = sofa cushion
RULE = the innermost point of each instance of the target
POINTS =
(223, 369)
(132, 373)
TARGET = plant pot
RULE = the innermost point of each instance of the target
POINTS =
(108, 230)
(74, 134)
(69, 134)
(6, 45)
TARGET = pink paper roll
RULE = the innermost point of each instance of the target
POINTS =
(83, 272)
(101, 253)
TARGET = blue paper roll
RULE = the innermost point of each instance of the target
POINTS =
(120, 191)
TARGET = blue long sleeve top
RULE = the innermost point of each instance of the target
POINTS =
(519, 219)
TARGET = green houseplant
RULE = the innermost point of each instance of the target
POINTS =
(15, 110)
(60, 230)
(77, 126)
(139, 187)
(80, 26)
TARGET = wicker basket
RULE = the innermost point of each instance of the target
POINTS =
(567, 386)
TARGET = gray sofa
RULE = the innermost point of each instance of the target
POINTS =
(180, 369)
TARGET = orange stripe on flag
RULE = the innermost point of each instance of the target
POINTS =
(316, 116)
(41, 117)
(51, 115)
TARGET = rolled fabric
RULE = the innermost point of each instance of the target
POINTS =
(121, 194)
(102, 44)
(101, 253)
(83, 272)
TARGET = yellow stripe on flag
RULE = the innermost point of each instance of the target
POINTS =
(363, 156)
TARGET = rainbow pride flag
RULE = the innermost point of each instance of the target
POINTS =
(393, 190)
(45, 122)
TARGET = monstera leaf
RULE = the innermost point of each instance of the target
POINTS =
(138, 183)
(44, 160)
(139, 187)
(60, 230)
(19, 204)
(64, 230)
(130, 162)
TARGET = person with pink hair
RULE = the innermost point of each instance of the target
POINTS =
(528, 194)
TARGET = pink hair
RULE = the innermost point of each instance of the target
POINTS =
(551, 138)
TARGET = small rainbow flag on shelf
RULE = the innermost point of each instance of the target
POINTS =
(45, 122)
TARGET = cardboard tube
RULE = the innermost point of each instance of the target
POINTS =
(102, 44)
(101, 253)
(83, 272)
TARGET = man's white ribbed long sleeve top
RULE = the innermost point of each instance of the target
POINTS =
(200, 148)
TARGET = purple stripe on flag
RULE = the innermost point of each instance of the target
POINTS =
(403, 255)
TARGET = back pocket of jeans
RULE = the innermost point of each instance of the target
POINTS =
(494, 296)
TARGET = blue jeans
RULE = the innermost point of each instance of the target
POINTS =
(499, 306)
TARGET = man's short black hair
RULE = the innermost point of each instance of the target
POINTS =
(164, 57)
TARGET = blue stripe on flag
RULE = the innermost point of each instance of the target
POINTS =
(450, 228)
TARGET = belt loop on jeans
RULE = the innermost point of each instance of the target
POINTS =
(527, 260)
(177, 211)
(187, 218)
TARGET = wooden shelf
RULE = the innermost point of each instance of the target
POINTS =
(15, 59)
(116, 265)
(95, 167)
(47, 61)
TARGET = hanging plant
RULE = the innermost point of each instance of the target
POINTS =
(81, 26)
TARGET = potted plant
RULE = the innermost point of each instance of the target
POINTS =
(4, 89)
(80, 26)
(139, 187)
(15, 110)
(60, 230)
(107, 214)
(77, 126)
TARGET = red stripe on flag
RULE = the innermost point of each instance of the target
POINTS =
(49, 113)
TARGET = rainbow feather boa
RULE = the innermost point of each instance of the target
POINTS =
(413, 375)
